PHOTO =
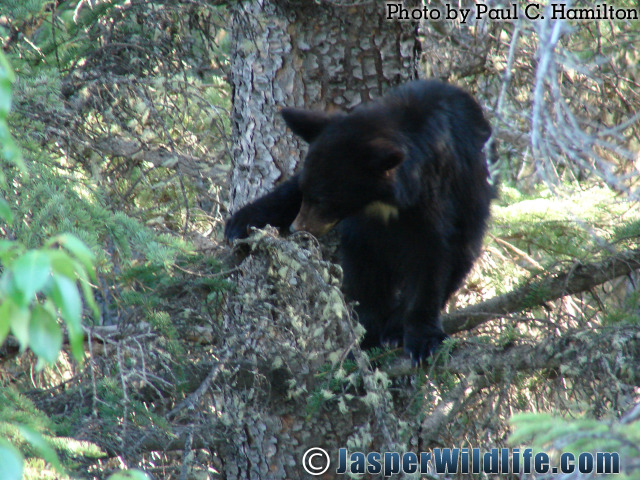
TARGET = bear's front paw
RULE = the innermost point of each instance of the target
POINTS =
(391, 338)
(420, 343)
(238, 226)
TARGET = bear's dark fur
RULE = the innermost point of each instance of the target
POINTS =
(406, 180)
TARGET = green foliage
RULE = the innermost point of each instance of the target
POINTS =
(343, 382)
(11, 462)
(143, 90)
(29, 432)
(543, 232)
(16, 408)
(627, 312)
(339, 383)
(48, 270)
(629, 230)
(129, 475)
(135, 257)
(543, 223)
(52, 274)
(49, 273)
(545, 431)
(9, 152)
(56, 33)
(8, 149)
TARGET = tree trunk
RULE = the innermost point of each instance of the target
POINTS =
(311, 54)
(308, 54)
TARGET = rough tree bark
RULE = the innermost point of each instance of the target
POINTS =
(331, 54)
(314, 54)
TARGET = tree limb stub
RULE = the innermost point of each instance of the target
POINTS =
(578, 278)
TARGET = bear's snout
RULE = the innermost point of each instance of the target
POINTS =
(308, 220)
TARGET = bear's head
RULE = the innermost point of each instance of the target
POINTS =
(349, 167)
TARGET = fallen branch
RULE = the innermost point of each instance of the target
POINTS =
(579, 278)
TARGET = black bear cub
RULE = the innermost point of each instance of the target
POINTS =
(406, 182)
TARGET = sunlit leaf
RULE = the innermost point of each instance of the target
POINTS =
(61, 263)
(78, 249)
(5, 211)
(7, 77)
(6, 73)
(19, 317)
(11, 462)
(30, 273)
(45, 335)
(64, 293)
(129, 475)
(88, 293)
(5, 319)
(5, 97)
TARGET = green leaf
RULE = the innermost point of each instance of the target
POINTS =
(7, 77)
(11, 462)
(5, 319)
(9, 251)
(45, 335)
(7, 245)
(19, 319)
(88, 292)
(5, 211)
(5, 97)
(76, 340)
(78, 249)
(61, 263)
(8, 148)
(129, 475)
(38, 442)
(67, 298)
(6, 73)
(31, 272)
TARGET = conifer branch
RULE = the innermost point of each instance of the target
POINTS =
(578, 278)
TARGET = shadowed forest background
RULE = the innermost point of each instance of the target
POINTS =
(133, 339)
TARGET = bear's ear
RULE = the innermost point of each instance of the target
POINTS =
(305, 123)
(386, 154)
